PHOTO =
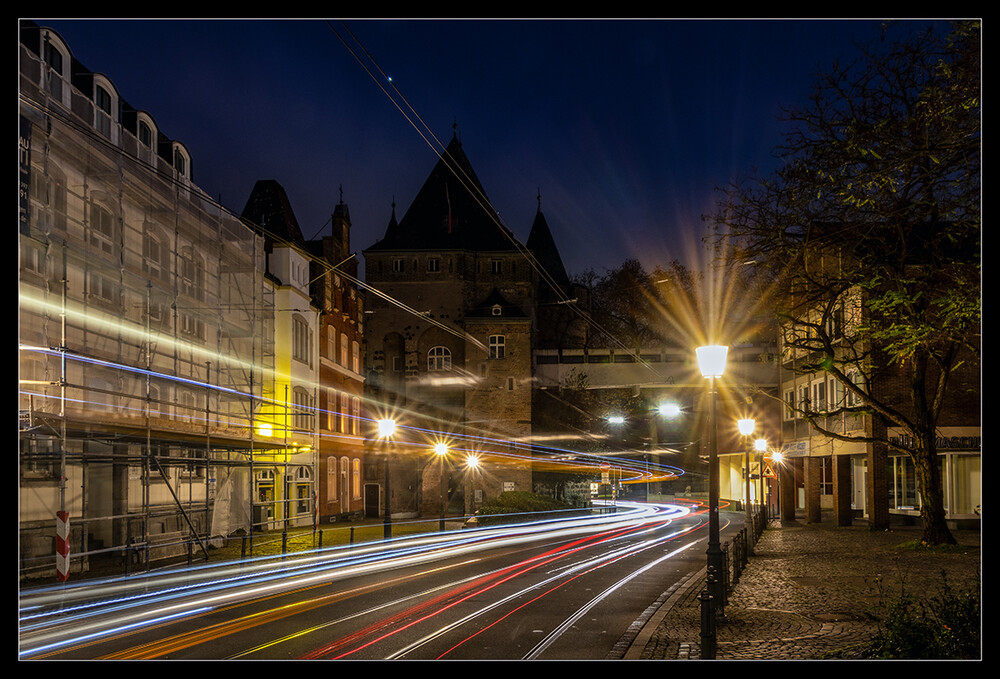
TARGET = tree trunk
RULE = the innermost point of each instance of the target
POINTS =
(932, 515)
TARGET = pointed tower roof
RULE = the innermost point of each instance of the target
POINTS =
(450, 212)
(543, 246)
(268, 207)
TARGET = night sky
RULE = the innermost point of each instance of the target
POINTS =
(625, 127)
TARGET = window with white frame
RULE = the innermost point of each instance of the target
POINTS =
(497, 346)
(835, 393)
(819, 395)
(344, 350)
(356, 357)
(496, 266)
(302, 401)
(438, 358)
(192, 274)
(356, 415)
(301, 340)
(790, 404)
(155, 262)
(397, 265)
(434, 265)
(102, 228)
(102, 289)
(331, 479)
(331, 409)
(356, 478)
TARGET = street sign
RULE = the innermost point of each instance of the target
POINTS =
(769, 473)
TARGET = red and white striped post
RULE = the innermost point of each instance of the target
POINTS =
(62, 545)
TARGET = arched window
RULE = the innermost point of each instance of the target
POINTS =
(55, 58)
(105, 106)
(301, 340)
(439, 358)
(146, 134)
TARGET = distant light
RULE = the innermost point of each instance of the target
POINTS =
(440, 449)
(616, 419)
(778, 457)
(712, 360)
(760, 444)
(264, 429)
(472, 461)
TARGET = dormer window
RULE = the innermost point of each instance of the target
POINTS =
(102, 111)
(497, 310)
(54, 60)
(180, 162)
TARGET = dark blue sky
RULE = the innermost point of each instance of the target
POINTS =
(626, 127)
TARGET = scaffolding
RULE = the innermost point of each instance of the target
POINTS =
(145, 332)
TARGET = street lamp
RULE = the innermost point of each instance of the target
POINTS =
(386, 429)
(760, 445)
(777, 458)
(746, 427)
(712, 363)
(441, 450)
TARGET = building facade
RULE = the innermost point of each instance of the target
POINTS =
(450, 339)
(141, 316)
(346, 488)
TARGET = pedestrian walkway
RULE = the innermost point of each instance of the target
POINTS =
(807, 592)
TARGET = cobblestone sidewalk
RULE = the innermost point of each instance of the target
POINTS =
(808, 591)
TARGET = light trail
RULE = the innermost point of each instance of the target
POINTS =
(64, 616)
(386, 628)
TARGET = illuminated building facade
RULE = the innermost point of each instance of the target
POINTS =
(450, 343)
(142, 318)
(287, 419)
(343, 490)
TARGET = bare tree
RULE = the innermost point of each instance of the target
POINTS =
(873, 223)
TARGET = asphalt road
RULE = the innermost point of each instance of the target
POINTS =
(564, 590)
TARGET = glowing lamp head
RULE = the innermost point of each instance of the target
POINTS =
(616, 419)
(386, 428)
(669, 409)
(746, 426)
(712, 360)
(440, 449)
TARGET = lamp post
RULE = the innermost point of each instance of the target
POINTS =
(746, 427)
(776, 458)
(760, 445)
(386, 428)
(712, 363)
(441, 450)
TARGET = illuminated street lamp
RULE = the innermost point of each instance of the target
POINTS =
(712, 363)
(441, 450)
(746, 427)
(386, 429)
(760, 445)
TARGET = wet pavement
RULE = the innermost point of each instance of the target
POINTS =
(807, 592)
